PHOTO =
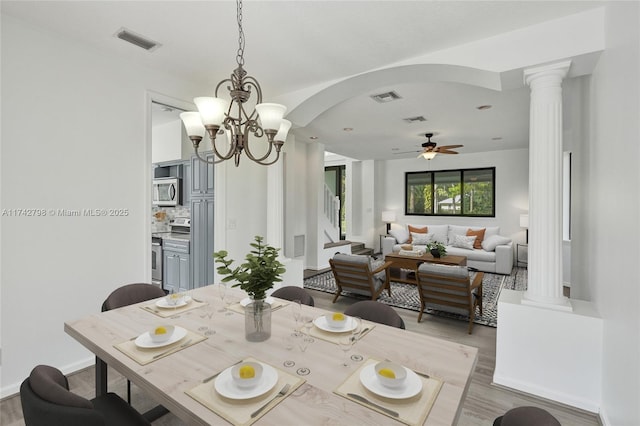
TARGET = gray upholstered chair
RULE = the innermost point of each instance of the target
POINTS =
(375, 311)
(128, 295)
(526, 416)
(360, 275)
(47, 401)
(291, 292)
(450, 289)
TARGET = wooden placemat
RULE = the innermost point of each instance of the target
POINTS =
(169, 312)
(238, 412)
(412, 411)
(145, 356)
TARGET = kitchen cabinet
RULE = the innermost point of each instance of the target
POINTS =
(202, 175)
(176, 266)
(202, 221)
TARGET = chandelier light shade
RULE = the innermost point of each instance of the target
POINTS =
(234, 118)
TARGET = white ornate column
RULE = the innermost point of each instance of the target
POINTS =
(545, 187)
(275, 204)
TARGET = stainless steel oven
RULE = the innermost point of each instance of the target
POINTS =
(156, 261)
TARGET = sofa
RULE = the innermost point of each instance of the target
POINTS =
(486, 250)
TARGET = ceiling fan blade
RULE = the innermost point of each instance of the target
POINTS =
(446, 151)
(450, 146)
(406, 152)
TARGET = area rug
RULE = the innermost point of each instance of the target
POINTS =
(406, 296)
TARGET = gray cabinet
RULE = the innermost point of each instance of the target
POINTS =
(202, 209)
(176, 266)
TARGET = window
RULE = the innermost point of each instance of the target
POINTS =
(467, 192)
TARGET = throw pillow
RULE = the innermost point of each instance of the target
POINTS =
(463, 241)
(420, 239)
(401, 235)
(413, 229)
(490, 243)
(479, 234)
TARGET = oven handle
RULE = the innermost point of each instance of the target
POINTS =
(156, 244)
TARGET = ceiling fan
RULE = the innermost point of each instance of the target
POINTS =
(431, 148)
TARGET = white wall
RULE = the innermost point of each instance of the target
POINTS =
(73, 137)
(512, 180)
(612, 211)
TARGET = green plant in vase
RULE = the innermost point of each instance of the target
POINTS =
(260, 270)
(437, 249)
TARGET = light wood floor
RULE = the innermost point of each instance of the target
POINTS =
(484, 402)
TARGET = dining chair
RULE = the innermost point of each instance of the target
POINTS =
(47, 401)
(526, 416)
(449, 288)
(360, 275)
(375, 311)
(128, 295)
(291, 292)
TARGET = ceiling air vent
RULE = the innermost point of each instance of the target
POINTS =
(385, 97)
(137, 39)
(414, 119)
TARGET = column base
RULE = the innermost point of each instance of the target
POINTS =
(558, 304)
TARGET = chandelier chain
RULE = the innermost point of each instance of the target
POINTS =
(240, 54)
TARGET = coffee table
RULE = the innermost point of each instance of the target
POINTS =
(403, 267)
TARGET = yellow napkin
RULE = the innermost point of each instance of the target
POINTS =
(144, 356)
(238, 412)
(169, 312)
(412, 411)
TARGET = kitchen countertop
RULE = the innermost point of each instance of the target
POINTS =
(172, 236)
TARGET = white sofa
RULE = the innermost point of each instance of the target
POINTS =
(496, 254)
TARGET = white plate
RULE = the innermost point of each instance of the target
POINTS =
(412, 385)
(144, 340)
(225, 386)
(162, 303)
(321, 322)
(247, 300)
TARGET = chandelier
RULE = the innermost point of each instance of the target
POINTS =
(216, 117)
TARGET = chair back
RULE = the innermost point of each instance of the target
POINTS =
(353, 273)
(445, 287)
(377, 312)
(131, 294)
(47, 401)
(291, 292)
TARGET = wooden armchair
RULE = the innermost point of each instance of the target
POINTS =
(450, 289)
(353, 273)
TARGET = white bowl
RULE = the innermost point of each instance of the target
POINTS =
(391, 367)
(246, 382)
(174, 299)
(336, 320)
(161, 333)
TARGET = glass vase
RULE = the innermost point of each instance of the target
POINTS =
(257, 321)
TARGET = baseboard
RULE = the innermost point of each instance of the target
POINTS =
(604, 419)
(13, 389)
(570, 400)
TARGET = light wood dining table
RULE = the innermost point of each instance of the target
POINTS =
(168, 378)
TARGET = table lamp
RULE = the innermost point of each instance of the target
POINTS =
(524, 223)
(388, 217)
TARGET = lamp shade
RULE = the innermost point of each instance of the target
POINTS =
(388, 216)
(428, 155)
(271, 115)
(281, 136)
(192, 123)
(211, 110)
(524, 221)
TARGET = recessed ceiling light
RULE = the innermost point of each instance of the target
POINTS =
(348, 129)
(313, 137)
(482, 107)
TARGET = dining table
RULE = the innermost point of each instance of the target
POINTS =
(312, 385)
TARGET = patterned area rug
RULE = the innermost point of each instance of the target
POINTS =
(406, 296)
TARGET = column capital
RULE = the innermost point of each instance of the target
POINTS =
(558, 70)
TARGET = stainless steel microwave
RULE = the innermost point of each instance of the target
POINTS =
(166, 192)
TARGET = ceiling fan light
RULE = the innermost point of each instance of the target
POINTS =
(211, 110)
(271, 115)
(429, 155)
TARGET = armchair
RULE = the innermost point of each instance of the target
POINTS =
(449, 288)
(356, 274)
